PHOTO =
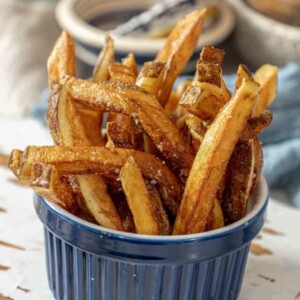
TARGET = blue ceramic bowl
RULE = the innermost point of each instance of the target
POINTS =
(89, 262)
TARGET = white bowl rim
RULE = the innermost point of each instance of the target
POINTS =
(260, 193)
(95, 37)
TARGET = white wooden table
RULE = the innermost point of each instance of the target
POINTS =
(22, 268)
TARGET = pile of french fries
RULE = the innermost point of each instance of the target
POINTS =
(169, 161)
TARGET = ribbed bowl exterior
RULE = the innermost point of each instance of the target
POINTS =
(75, 274)
(89, 262)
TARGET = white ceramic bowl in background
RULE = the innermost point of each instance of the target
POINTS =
(261, 39)
(77, 17)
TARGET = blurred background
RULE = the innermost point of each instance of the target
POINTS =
(252, 32)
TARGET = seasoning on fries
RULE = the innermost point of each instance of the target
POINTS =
(169, 161)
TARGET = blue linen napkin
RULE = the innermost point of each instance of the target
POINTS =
(281, 141)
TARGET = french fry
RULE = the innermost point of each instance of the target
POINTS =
(255, 125)
(129, 62)
(144, 108)
(160, 213)
(61, 61)
(120, 72)
(178, 49)
(116, 191)
(216, 218)
(105, 59)
(241, 175)
(211, 160)
(125, 72)
(138, 199)
(197, 129)
(14, 161)
(73, 133)
(208, 93)
(104, 161)
(258, 158)
(119, 137)
(151, 76)
(266, 76)
(45, 180)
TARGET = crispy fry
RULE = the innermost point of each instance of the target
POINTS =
(105, 161)
(211, 160)
(256, 125)
(128, 99)
(266, 76)
(243, 73)
(120, 72)
(178, 49)
(125, 123)
(14, 161)
(45, 180)
(258, 154)
(216, 218)
(93, 188)
(241, 174)
(197, 129)
(105, 59)
(123, 208)
(61, 61)
(129, 62)
(151, 76)
(119, 137)
(208, 92)
(160, 213)
(141, 206)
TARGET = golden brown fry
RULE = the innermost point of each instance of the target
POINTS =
(105, 59)
(151, 76)
(138, 199)
(14, 161)
(197, 129)
(172, 106)
(216, 218)
(178, 49)
(243, 73)
(241, 175)
(211, 160)
(160, 213)
(144, 108)
(119, 137)
(116, 191)
(258, 154)
(120, 72)
(212, 55)
(208, 92)
(61, 61)
(129, 62)
(93, 188)
(126, 74)
(256, 125)
(266, 76)
(46, 181)
(104, 161)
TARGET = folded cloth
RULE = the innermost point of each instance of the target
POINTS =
(281, 141)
